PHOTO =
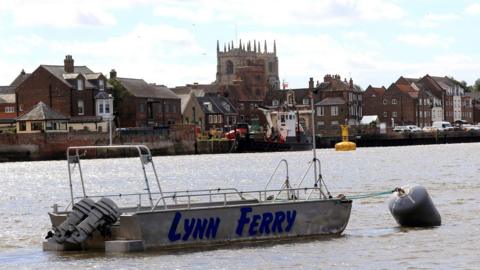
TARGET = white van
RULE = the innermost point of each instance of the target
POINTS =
(442, 125)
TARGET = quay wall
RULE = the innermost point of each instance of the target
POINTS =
(177, 140)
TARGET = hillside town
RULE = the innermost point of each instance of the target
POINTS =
(72, 98)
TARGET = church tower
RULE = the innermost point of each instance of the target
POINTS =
(234, 57)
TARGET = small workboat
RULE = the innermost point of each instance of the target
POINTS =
(190, 218)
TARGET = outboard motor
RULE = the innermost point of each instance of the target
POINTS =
(105, 212)
(413, 207)
(79, 212)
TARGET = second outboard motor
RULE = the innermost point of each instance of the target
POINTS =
(79, 212)
(104, 212)
(413, 207)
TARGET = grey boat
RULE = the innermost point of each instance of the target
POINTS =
(157, 219)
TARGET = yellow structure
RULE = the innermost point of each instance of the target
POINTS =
(345, 145)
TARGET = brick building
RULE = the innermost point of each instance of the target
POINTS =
(69, 90)
(373, 100)
(146, 105)
(337, 102)
(219, 112)
(8, 107)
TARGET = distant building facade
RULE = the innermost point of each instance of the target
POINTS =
(337, 102)
(146, 105)
(69, 90)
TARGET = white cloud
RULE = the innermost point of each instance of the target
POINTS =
(473, 9)
(274, 13)
(64, 14)
(432, 20)
(425, 40)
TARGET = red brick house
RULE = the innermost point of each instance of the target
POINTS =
(8, 107)
(146, 105)
(68, 89)
(373, 100)
(337, 102)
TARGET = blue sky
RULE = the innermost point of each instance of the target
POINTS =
(174, 42)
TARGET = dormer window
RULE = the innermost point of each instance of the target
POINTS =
(275, 102)
(101, 85)
(80, 84)
(306, 101)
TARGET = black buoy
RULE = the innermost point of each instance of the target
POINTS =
(411, 206)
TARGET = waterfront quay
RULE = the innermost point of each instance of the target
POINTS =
(372, 239)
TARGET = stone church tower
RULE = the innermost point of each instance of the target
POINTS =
(232, 59)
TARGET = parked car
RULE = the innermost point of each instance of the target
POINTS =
(407, 129)
(468, 127)
(429, 129)
(413, 128)
(442, 126)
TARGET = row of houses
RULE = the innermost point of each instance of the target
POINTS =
(70, 98)
(421, 101)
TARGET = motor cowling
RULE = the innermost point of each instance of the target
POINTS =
(79, 212)
(412, 206)
(105, 212)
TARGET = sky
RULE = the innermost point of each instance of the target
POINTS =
(174, 42)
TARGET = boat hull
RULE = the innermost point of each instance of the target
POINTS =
(251, 222)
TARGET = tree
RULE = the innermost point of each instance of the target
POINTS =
(476, 86)
(119, 93)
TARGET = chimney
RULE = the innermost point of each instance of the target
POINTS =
(351, 83)
(310, 83)
(113, 74)
(68, 64)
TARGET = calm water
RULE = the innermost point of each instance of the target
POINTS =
(372, 239)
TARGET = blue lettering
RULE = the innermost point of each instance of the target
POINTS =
(243, 219)
(252, 230)
(265, 224)
(172, 235)
(200, 227)
(212, 227)
(290, 219)
(188, 226)
(277, 223)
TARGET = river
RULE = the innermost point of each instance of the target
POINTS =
(372, 239)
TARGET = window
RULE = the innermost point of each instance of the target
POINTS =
(142, 108)
(22, 126)
(421, 114)
(420, 102)
(385, 114)
(229, 67)
(394, 114)
(9, 109)
(80, 106)
(80, 84)
(320, 111)
(37, 125)
(101, 84)
(210, 118)
(252, 106)
(270, 66)
(242, 106)
(174, 108)
(394, 101)
(306, 101)
(107, 107)
(100, 108)
(334, 123)
(275, 102)
(290, 99)
(334, 111)
(320, 124)
(385, 102)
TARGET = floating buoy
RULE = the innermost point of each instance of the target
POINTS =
(345, 144)
(413, 207)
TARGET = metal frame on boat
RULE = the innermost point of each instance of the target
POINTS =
(189, 218)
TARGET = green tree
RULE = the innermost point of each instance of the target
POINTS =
(119, 93)
(476, 86)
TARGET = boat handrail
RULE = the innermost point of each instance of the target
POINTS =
(295, 192)
(275, 171)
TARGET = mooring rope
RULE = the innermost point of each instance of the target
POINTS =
(369, 195)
